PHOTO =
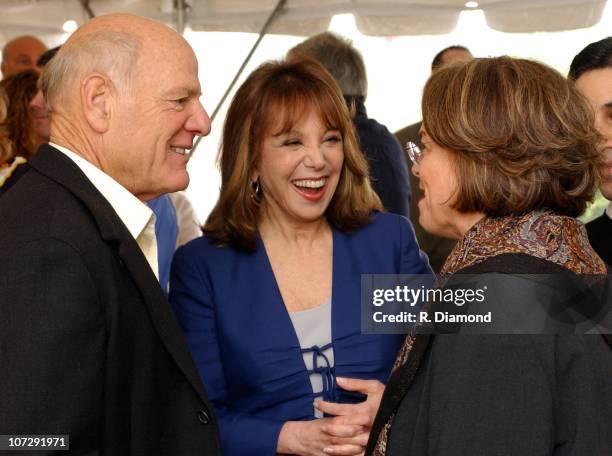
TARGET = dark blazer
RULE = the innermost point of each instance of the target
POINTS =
(386, 162)
(600, 236)
(243, 340)
(437, 248)
(503, 395)
(89, 346)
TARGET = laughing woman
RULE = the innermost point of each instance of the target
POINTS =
(269, 298)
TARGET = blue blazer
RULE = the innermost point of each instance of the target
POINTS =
(244, 344)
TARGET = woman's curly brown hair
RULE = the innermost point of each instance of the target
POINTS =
(20, 123)
(5, 143)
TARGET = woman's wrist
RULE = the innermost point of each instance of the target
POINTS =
(287, 438)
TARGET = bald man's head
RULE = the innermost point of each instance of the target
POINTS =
(124, 92)
(21, 54)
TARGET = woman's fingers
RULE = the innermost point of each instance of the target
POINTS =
(348, 450)
(342, 430)
(334, 408)
(362, 386)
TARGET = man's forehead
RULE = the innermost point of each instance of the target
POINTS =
(24, 47)
(596, 85)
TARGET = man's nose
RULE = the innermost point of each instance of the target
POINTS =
(199, 122)
(38, 102)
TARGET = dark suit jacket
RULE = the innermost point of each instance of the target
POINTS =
(600, 236)
(88, 343)
(437, 248)
(503, 395)
(386, 162)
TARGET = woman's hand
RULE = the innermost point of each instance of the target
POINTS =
(346, 433)
(366, 410)
(350, 415)
(312, 438)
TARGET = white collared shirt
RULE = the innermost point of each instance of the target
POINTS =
(136, 216)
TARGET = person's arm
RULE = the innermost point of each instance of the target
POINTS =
(193, 302)
(52, 345)
(412, 259)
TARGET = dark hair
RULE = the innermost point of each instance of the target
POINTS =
(438, 59)
(20, 89)
(595, 56)
(47, 56)
(275, 97)
(521, 134)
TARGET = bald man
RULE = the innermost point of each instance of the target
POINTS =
(89, 347)
(21, 54)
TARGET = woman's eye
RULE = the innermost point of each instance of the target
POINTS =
(292, 142)
(333, 139)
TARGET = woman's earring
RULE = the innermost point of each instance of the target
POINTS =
(255, 189)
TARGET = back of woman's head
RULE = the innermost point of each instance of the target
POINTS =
(272, 100)
(523, 136)
(20, 123)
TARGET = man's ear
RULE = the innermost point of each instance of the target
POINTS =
(96, 100)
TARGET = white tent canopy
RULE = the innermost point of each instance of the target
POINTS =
(307, 17)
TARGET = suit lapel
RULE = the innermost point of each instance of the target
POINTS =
(58, 167)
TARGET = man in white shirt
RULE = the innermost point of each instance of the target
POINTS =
(592, 71)
(89, 347)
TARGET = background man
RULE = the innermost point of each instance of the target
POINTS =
(88, 343)
(388, 172)
(436, 247)
(21, 54)
(592, 71)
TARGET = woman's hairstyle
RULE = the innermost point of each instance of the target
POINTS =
(5, 142)
(20, 89)
(522, 136)
(272, 100)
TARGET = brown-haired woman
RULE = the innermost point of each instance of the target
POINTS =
(6, 150)
(20, 89)
(509, 161)
(20, 125)
(269, 298)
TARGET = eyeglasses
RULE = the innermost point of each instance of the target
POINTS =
(414, 152)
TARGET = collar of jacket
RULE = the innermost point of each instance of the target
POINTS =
(56, 166)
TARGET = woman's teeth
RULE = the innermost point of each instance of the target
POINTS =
(179, 150)
(309, 183)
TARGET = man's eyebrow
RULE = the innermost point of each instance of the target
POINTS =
(608, 105)
(182, 91)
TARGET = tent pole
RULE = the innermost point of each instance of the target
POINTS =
(181, 9)
(87, 8)
(262, 33)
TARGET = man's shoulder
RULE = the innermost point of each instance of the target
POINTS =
(372, 132)
(599, 226)
(599, 236)
(38, 207)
